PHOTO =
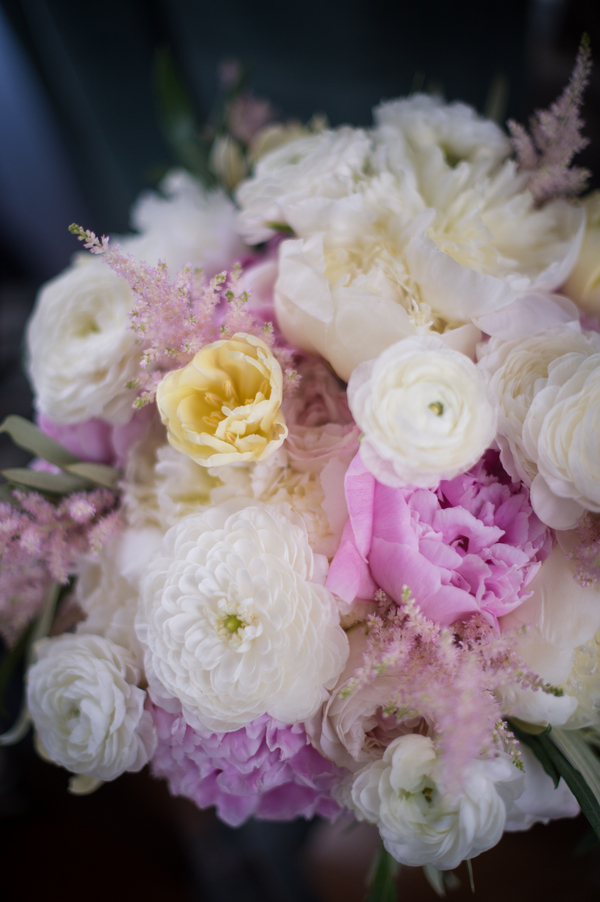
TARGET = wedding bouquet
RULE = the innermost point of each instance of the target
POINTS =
(313, 519)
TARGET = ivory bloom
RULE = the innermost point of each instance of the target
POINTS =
(421, 824)
(231, 623)
(515, 371)
(224, 406)
(424, 411)
(81, 352)
(86, 707)
(583, 285)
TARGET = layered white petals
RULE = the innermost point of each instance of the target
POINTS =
(515, 371)
(424, 410)
(540, 801)
(562, 619)
(232, 625)
(81, 352)
(323, 165)
(418, 821)
(87, 708)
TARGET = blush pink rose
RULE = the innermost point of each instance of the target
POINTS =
(319, 420)
(470, 546)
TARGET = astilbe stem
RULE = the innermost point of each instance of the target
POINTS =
(555, 137)
(174, 320)
(447, 677)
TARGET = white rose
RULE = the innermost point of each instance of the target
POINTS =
(424, 410)
(353, 729)
(323, 165)
(515, 371)
(562, 433)
(562, 619)
(186, 224)
(418, 821)
(108, 587)
(540, 801)
(81, 351)
(232, 625)
(87, 709)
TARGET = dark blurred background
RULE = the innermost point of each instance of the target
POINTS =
(79, 139)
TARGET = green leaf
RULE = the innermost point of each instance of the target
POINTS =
(51, 483)
(383, 881)
(178, 119)
(11, 660)
(538, 748)
(582, 767)
(101, 474)
(29, 437)
(40, 628)
(435, 879)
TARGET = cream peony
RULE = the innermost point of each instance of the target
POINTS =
(224, 406)
(562, 620)
(81, 352)
(86, 707)
(583, 285)
(323, 165)
(232, 625)
(562, 431)
(424, 411)
(515, 371)
(540, 801)
(421, 824)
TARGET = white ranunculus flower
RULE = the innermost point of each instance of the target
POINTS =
(562, 620)
(418, 821)
(540, 801)
(515, 371)
(424, 410)
(562, 432)
(87, 708)
(326, 165)
(81, 351)
(186, 224)
(108, 587)
(231, 623)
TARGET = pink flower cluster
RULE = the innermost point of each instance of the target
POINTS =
(39, 542)
(470, 547)
(266, 769)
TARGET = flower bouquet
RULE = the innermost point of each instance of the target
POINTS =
(314, 504)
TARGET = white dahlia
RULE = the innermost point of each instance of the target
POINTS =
(232, 625)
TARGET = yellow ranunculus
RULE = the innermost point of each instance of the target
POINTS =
(583, 285)
(224, 406)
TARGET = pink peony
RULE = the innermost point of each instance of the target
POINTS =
(319, 419)
(267, 769)
(471, 545)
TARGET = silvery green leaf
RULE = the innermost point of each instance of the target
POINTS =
(573, 745)
(101, 474)
(29, 437)
(52, 483)
(83, 785)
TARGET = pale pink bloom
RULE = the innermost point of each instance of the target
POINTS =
(471, 546)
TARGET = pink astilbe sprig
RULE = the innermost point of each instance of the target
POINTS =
(446, 676)
(40, 541)
(555, 137)
(174, 320)
(586, 554)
